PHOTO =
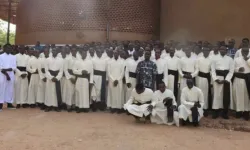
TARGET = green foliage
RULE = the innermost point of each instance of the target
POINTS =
(3, 34)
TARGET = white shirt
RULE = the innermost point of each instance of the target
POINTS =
(116, 69)
(240, 62)
(188, 65)
(159, 97)
(195, 56)
(21, 61)
(86, 65)
(7, 61)
(54, 64)
(160, 63)
(33, 64)
(144, 97)
(164, 54)
(239, 54)
(172, 63)
(223, 63)
(204, 64)
(190, 96)
(131, 66)
(99, 64)
(179, 53)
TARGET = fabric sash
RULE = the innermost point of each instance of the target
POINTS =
(246, 77)
(70, 71)
(208, 76)
(158, 80)
(176, 78)
(58, 88)
(139, 104)
(226, 89)
(21, 68)
(103, 85)
(83, 76)
(187, 73)
(132, 74)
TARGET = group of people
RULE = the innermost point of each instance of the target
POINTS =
(164, 84)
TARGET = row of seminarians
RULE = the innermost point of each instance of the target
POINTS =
(44, 87)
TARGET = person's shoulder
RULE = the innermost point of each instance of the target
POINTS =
(197, 89)
(168, 91)
(149, 91)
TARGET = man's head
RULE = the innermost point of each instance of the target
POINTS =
(245, 42)
(197, 49)
(190, 83)
(54, 52)
(63, 52)
(147, 55)
(244, 52)
(46, 52)
(223, 50)
(141, 52)
(171, 51)
(84, 54)
(99, 53)
(67, 49)
(139, 88)
(135, 55)
(231, 43)
(116, 54)
(36, 53)
(157, 53)
(206, 51)
(73, 51)
(188, 51)
(21, 49)
(130, 46)
(162, 87)
(37, 43)
(91, 51)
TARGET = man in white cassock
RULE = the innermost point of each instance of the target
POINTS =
(164, 107)
(32, 67)
(244, 44)
(83, 70)
(130, 74)
(21, 82)
(139, 102)
(241, 84)
(115, 86)
(69, 85)
(187, 68)
(203, 80)
(222, 72)
(192, 102)
(100, 78)
(7, 77)
(197, 53)
(160, 63)
(179, 52)
(43, 79)
(171, 69)
(54, 73)
(165, 52)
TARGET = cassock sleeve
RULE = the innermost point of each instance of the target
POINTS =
(13, 66)
(127, 74)
(155, 99)
(109, 72)
(91, 73)
(60, 74)
(231, 70)
(201, 97)
(196, 71)
(48, 75)
(130, 100)
(76, 70)
(29, 69)
(18, 72)
(66, 67)
(179, 68)
(213, 69)
(165, 73)
(237, 54)
(174, 99)
(184, 99)
(122, 71)
(40, 69)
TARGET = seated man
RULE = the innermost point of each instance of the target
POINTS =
(139, 102)
(192, 101)
(164, 107)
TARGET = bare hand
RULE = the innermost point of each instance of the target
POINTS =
(84, 72)
(7, 77)
(241, 69)
(54, 79)
(73, 81)
(150, 108)
(129, 85)
(225, 81)
(23, 76)
(44, 79)
(115, 83)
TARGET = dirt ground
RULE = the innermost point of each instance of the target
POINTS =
(32, 129)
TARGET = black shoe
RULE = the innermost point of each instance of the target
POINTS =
(205, 114)
(33, 106)
(10, 106)
(18, 106)
(238, 115)
(78, 110)
(195, 124)
(47, 109)
(225, 115)
(119, 111)
(25, 105)
(246, 115)
(85, 110)
(182, 122)
(69, 110)
(57, 109)
(215, 114)
(42, 107)
(112, 110)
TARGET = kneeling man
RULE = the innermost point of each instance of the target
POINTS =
(139, 102)
(192, 101)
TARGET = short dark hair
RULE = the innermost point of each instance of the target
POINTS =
(245, 39)
(139, 86)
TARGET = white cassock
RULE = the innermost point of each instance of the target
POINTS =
(115, 72)
(240, 92)
(195, 56)
(100, 77)
(130, 75)
(164, 54)
(82, 97)
(21, 85)
(179, 53)
(160, 112)
(108, 59)
(32, 67)
(187, 65)
(41, 85)
(7, 87)
(239, 54)
(141, 58)
(53, 68)
(204, 75)
(188, 99)
(171, 69)
(161, 74)
(213, 56)
(144, 100)
(222, 63)
(68, 87)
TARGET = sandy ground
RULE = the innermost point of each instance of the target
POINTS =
(32, 129)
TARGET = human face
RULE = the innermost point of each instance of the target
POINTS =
(91, 52)
(84, 54)
(162, 87)
(223, 50)
(190, 83)
(171, 51)
(245, 43)
(147, 55)
(98, 53)
(206, 52)
(157, 53)
(187, 51)
(73, 52)
(245, 52)
(54, 52)
(116, 54)
(135, 55)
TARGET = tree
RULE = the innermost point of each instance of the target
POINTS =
(3, 34)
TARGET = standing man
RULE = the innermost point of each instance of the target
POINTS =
(160, 64)
(241, 84)
(32, 68)
(7, 77)
(54, 73)
(146, 71)
(192, 101)
(130, 74)
(116, 74)
(83, 70)
(203, 80)
(21, 82)
(244, 44)
(222, 73)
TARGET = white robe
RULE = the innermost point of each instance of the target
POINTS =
(68, 87)
(179, 53)
(222, 63)
(195, 56)
(164, 54)
(240, 93)
(82, 84)
(21, 85)
(131, 65)
(41, 85)
(54, 64)
(115, 72)
(7, 87)
(32, 67)
(188, 99)
(204, 66)
(239, 54)
(99, 64)
(139, 111)
(172, 63)
(159, 112)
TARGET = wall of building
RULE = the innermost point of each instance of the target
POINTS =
(204, 19)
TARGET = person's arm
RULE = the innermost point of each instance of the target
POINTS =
(165, 74)
(174, 99)
(231, 70)
(127, 74)
(109, 73)
(213, 71)
(196, 71)
(155, 99)
(91, 73)
(180, 68)
(66, 67)
(130, 100)
(122, 72)
(184, 100)
(76, 70)
(60, 74)
(201, 98)
(48, 75)
(41, 75)
(29, 69)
